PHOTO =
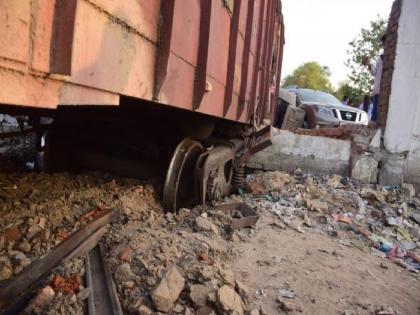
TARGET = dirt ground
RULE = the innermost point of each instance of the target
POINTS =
(326, 276)
(289, 263)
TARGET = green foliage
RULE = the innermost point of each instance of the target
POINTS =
(367, 43)
(345, 89)
(310, 75)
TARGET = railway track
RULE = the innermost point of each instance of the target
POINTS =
(103, 298)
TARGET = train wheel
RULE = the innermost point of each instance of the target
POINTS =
(178, 190)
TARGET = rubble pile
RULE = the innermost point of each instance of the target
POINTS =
(182, 264)
(160, 262)
(383, 219)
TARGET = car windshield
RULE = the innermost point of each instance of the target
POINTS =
(308, 96)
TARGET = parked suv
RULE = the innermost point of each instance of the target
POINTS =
(326, 109)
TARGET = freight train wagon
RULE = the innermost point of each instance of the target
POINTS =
(170, 88)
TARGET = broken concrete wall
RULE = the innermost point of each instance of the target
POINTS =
(402, 133)
(289, 151)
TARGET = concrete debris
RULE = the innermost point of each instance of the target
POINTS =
(365, 169)
(229, 301)
(83, 294)
(376, 141)
(204, 225)
(124, 273)
(201, 247)
(198, 294)
(411, 190)
(265, 182)
(44, 297)
(168, 289)
(392, 171)
(144, 310)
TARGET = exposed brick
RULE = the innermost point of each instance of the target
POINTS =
(390, 48)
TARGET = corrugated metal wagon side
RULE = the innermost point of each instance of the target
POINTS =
(218, 57)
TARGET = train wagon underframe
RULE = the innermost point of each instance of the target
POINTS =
(174, 89)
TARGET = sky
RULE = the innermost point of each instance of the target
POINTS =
(320, 30)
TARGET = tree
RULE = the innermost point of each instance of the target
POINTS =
(367, 43)
(345, 89)
(310, 75)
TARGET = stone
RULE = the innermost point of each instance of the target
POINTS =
(6, 270)
(83, 294)
(124, 273)
(393, 221)
(229, 301)
(129, 284)
(45, 296)
(269, 181)
(375, 143)
(242, 290)
(411, 190)
(208, 272)
(415, 216)
(255, 311)
(317, 205)
(205, 310)
(144, 310)
(287, 306)
(24, 247)
(227, 276)
(178, 308)
(168, 289)
(204, 224)
(12, 234)
(365, 169)
(198, 294)
(392, 171)
(360, 139)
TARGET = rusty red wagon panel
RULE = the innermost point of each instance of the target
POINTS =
(218, 57)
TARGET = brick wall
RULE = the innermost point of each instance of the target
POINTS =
(390, 49)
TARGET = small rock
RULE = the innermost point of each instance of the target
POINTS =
(287, 293)
(83, 294)
(168, 290)
(393, 221)
(12, 234)
(229, 301)
(144, 310)
(124, 273)
(300, 214)
(294, 223)
(45, 296)
(415, 216)
(208, 272)
(205, 225)
(206, 310)
(286, 306)
(24, 247)
(255, 311)
(198, 294)
(178, 308)
(384, 266)
(129, 284)
(242, 290)
(6, 271)
(317, 205)
(227, 276)
(410, 189)
(150, 281)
